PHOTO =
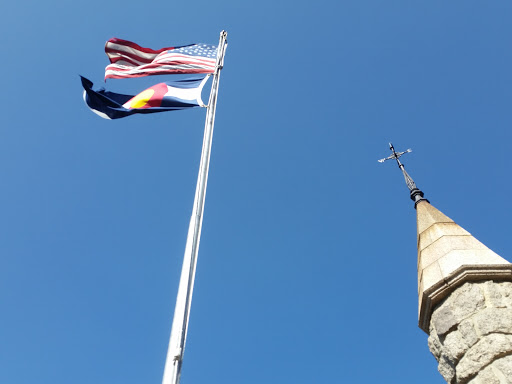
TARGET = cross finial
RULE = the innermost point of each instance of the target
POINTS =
(416, 193)
(395, 155)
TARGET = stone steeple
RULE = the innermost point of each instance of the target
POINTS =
(464, 295)
(465, 301)
(449, 256)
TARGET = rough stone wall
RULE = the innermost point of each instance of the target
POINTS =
(471, 334)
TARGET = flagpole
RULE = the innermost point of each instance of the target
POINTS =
(179, 329)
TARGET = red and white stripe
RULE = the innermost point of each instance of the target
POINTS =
(131, 60)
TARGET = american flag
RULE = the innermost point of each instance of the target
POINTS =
(131, 60)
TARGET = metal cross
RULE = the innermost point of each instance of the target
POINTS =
(395, 156)
(416, 194)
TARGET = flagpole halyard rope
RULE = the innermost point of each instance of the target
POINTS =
(179, 329)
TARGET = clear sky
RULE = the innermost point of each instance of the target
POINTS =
(307, 265)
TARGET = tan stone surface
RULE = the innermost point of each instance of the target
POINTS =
(499, 296)
(457, 258)
(482, 354)
(427, 215)
(487, 376)
(446, 244)
(471, 334)
(444, 248)
(430, 276)
(503, 368)
(433, 233)
(492, 320)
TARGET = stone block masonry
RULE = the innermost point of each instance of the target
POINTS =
(471, 334)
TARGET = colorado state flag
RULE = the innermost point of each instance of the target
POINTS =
(171, 96)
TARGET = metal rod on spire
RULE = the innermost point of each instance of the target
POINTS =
(179, 329)
(416, 193)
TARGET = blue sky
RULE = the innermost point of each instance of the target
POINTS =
(307, 265)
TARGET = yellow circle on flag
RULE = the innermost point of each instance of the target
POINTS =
(141, 99)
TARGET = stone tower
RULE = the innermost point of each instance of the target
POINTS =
(465, 297)
(465, 301)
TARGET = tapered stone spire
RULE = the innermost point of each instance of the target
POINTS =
(465, 301)
(448, 256)
(464, 297)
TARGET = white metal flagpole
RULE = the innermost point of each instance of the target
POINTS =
(174, 359)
